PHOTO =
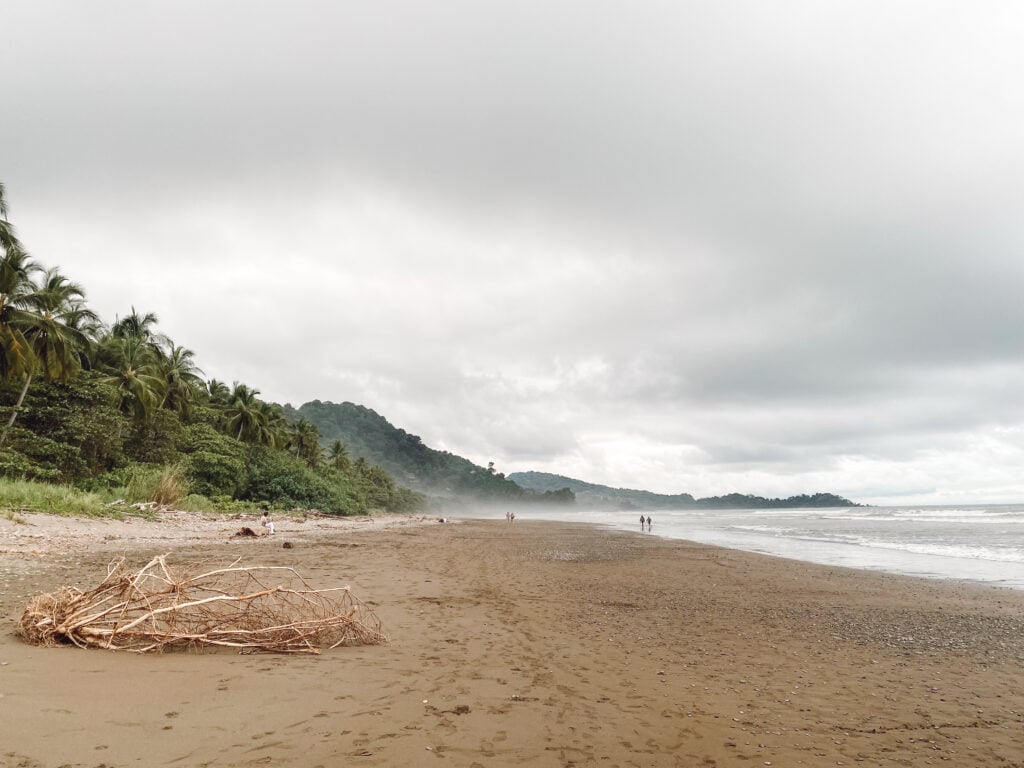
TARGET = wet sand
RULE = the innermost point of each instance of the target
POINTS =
(541, 644)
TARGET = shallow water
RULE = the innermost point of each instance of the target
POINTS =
(977, 543)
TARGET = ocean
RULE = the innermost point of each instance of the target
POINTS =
(983, 543)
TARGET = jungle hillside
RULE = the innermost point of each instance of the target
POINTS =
(115, 415)
(366, 434)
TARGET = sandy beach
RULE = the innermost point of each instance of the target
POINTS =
(541, 644)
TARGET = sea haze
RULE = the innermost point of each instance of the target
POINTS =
(973, 543)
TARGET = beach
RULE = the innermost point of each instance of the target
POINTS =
(534, 643)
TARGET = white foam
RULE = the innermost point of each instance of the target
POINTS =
(965, 543)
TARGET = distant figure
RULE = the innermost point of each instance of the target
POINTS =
(648, 522)
(267, 523)
(508, 515)
(641, 522)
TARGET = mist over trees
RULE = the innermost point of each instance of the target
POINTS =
(372, 438)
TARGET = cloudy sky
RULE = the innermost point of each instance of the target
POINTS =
(713, 246)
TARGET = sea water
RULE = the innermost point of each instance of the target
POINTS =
(974, 543)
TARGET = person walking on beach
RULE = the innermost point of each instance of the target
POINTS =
(641, 522)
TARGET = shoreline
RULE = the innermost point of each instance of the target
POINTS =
(886, 556)
(549, 643)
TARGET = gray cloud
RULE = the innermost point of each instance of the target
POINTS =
(686, 246)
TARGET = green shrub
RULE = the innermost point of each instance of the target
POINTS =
(404, 500)
(72, 428)
(380, 491)
(215, 463)
(214, 474)
(285, 481)
(157, 441)
(15, 465)
(196, 502)
(235, 506)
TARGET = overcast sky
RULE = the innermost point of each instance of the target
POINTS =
(699, 247)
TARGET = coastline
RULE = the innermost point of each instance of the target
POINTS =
(548, 643)
(980, 544)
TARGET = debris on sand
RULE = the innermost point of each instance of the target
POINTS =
(256, 609)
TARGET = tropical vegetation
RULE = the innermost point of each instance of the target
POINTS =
(106, 413)
(372, 438)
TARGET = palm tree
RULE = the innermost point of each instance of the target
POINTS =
(305, 441)
(275, 425)
(85, 321)
(133, 367)
(59, 329)
(146, 367)
(17, 302)
(218, 392)
(63, 351)
(182, 378)
(242, 416)
(34, 318)
(52, 329)
(139, 327)
(337, 456)
(8, 240)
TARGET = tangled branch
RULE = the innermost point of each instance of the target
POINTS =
(255, 609)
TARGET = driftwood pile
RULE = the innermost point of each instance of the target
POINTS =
(256, 609)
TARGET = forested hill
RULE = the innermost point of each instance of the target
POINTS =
(624, 498)
(368, 435)
(601, 495)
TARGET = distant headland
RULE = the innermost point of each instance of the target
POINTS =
(595, 495)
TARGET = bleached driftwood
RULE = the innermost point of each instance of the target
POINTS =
(255, 609)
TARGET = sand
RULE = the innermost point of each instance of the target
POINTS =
(541, 644)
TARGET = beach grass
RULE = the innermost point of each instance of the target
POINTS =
(18, 496)
(163, 486)
(140, 491)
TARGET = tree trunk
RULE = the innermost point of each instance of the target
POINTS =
(14, 413)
